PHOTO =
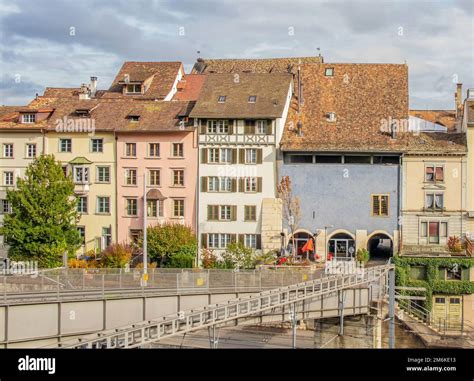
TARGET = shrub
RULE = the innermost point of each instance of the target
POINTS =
(237, 256)
(181, 260)
(152, 265)
(117, 255)
(208, 259)
(454, 244)
(74, 263)
(362, 255)
(268, 258)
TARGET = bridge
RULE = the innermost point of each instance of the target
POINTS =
(111, 309)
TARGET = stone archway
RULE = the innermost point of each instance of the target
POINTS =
(380, 246)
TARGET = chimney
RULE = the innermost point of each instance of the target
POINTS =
(93, 86)
(84, 92)
(458, 100)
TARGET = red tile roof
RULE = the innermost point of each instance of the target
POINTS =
(446, 118)
(189, 87)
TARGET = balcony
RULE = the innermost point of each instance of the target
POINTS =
(223, 139)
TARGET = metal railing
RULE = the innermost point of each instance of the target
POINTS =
(143, 333)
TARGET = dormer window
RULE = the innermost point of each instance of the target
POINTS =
(82, 113)
(28, 118)
(252, 99)
(133, 88)
(133, 118)
(329, 72)
(331, 116)
(221, 99)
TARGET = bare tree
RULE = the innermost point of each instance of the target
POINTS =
(291, 208)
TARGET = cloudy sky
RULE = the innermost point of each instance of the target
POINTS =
(62, 43)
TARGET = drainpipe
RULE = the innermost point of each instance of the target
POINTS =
(116, 185)
(198, 185)
(43, 133)
(400, 204)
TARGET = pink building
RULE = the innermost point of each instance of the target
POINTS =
(159, 141)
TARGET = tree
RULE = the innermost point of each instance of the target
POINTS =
(42, 225)
(237, 256)
(168, 239)
(291, 208)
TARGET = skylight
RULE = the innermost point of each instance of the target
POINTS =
(329, 72)
(221, 99)
(252, 99)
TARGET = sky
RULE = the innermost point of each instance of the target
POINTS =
(62, 43)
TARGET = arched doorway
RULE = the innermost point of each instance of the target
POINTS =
(341, 246)
(380, 246)
(301, 239)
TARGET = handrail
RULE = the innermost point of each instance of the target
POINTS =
(151, 331)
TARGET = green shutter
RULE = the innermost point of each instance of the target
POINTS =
(234, 155)
(203, 126)
(259, 184)
(259, 241)
(242, 184)
(259, 156)
(242, 155)
(231, 126)
(204, 184)
(204, 240)
(269, 127)
(233, 213)
(204, 155)
(242, 238)
(234, 185)
(233, 238)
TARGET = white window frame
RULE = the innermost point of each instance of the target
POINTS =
(84, 175)
(130, 179)
(224, 240)
(29, 154)
(80, 204)
(6, 175)
(68, 145)
(100, 168)
(213, 240)
(106, 202)
(225, 184)
(5, 207)
(98, 148)
(250, 156)
(213, 184)
(225, 155)
(225, 213)
(261, 127)
(28, 118)
(251, 184)
(213, 155)
(8, 150)
(251, 241)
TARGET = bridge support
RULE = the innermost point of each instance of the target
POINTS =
(293, 319)
(340, 298)
(213, 337)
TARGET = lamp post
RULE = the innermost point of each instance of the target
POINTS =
(145, 254)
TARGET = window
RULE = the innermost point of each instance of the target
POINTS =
(225, 240)
(225, 184)
(434, 173)
(221, 99)
(380, 204)
(29, 118)
(5, 207)
(261, 127)
(328, 159)
(97, 145)
(154, 149)
(298, 159)
(331, 117)
(103, 204)
(250, 184)
(133, 118)
(132, 207)
(135, 235)
(107, 236)
(131, 176)
(359, 159)
(225, 155)
(178, 208)
(213, 155)
(8, 150)
(251, 241)
(82, 234)
(155, 208)
(82, 204)
(434, 201)
(178, 177)
(65, 145)
(386, 160)
(178, 150)
(154, 177)
(218, 127)
(225, 213)
(329, 72)
(213, 212)
(213, 241)
(103, 174)
(250, 213)
(252, 99)
(8, 178)
(454, 273)
(418, 272)
(213, 184)
(31, 151)
(81, 174)
(135, 88)
(131, 149)
(433, 230)
(251, 156)
(440, 300)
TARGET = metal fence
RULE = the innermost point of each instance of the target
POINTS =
(70, 281)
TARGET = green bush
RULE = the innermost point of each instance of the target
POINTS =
(181, 260)
(362, 255)
(117, 255)
(268, 258)
(237, 256)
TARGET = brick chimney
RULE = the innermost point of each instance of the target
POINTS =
(458, 100)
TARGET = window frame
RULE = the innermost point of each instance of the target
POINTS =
(180, 201)
(68, 146)
(99, 148)
(157, 147)
(6, 174)
(179, 153)
(380, 197)
(98, 170)
(131, 180)
(80, 204)
(98, 204)
(28, 146)
(8, 147)
(131, 205)
(24, 118)
(127, 151)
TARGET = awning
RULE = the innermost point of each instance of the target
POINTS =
(155, 194)
(80, 160)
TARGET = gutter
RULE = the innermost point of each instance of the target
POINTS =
(116, 185)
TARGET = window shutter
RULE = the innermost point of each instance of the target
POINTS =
(204, 241)
(204, 184)
(241, 184)
(233, 213)
(242, 239)
(242, 155)
(249, 127)
(234, 155)
(259, 184)
(441, 273)
(259, 241)
(209, 212)
(384, 206)
(269, 127)
(234, 185)
(231, 126)
(204, 155)
(203, 126)
(259, 156)
(439, 174)
(465, 274)
(375, 205)
(233, 238)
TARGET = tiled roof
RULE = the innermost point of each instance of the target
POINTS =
(61, 92)
(10, 115)
(189, 87)
(261, 65)
(8, 111)
(271, 91)
(163, 73)
(446, 118)
(362, 97)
